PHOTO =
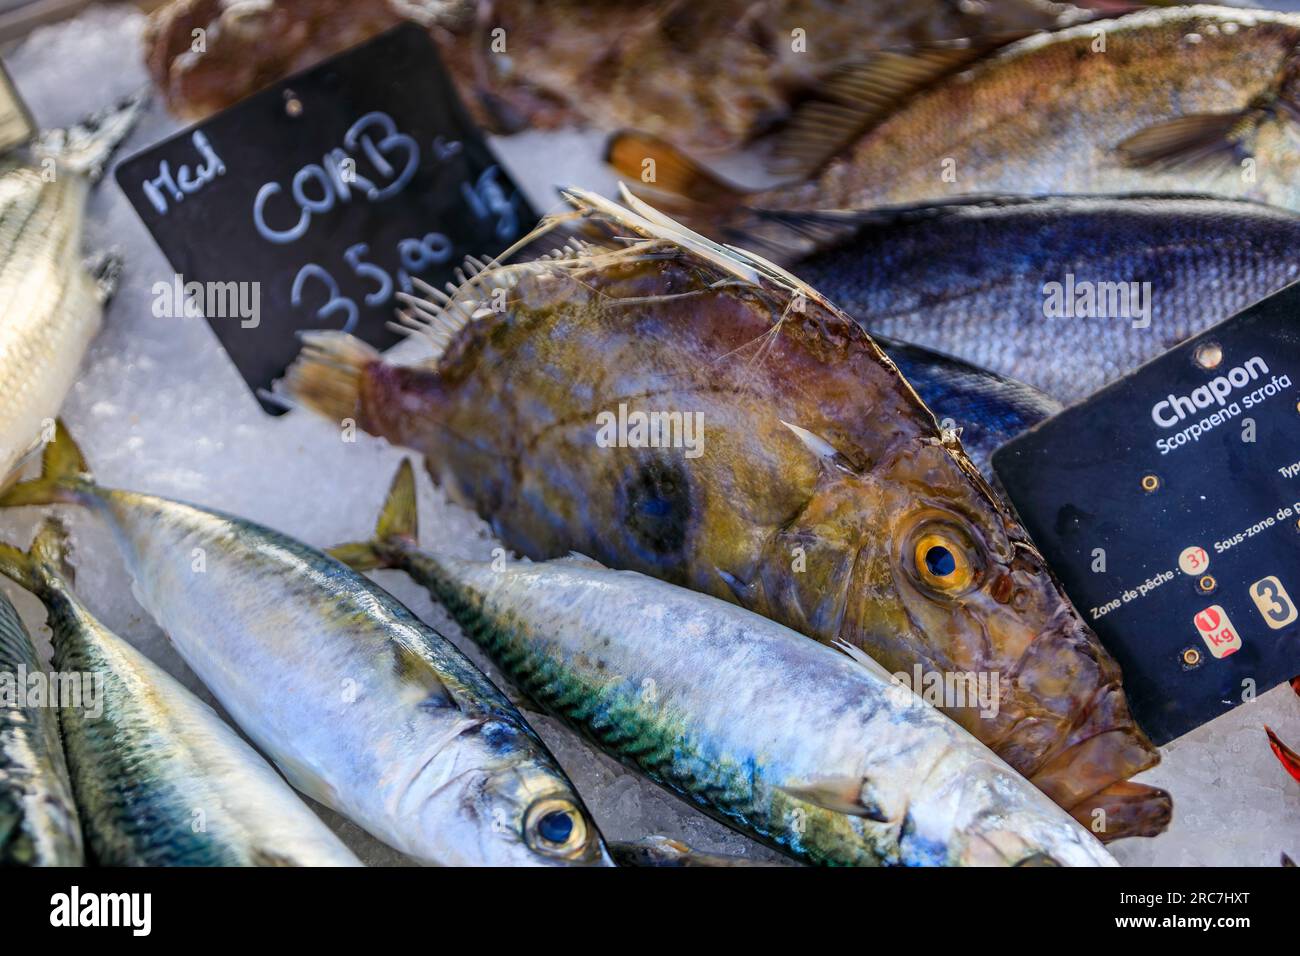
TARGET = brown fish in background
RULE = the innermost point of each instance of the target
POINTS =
(821, 493)
(618, 63)
(1199, 98)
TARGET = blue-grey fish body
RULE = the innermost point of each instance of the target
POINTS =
(38, 818)
(988, 408)
(974, 279)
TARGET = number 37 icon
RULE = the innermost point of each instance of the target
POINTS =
(1275, 605)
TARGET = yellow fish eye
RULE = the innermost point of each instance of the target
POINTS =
(555, 827)
(943, 562)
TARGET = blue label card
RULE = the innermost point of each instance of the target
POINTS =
(1169, 504)
(312, 203)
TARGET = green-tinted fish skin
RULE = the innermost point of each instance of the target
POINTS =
(159, 778)
(38, 818)
(361, 705)
(738, 715)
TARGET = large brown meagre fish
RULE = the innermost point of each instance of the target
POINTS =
(1197, 98)
(810, 483)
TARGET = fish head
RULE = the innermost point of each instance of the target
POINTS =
(984, 815)
(824, 493)
(519, 807)
(955, 598)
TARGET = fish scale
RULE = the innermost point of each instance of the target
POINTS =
(970, 279)
(159, 778)
(1171, 99)
(50, 304)
(38, 818)
(735, 714)
(361, 705)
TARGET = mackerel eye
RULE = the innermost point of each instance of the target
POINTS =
(942, 561)
(555, 827)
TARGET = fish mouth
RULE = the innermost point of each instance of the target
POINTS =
(1088, 772)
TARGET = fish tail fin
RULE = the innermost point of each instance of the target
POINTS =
(87, 147)
(49, 549)
(677, 182)
(65, 476)
(327, 375)
(664, 168)
(398, 521)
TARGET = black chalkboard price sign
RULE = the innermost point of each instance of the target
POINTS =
(312, 203)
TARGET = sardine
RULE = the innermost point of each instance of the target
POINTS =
(1063, 293)
(793, 742)
(51, 303)
(361, 706)
(1186, 99)
(161, 780)
(789, 468)
(541, 64)
(38, 818)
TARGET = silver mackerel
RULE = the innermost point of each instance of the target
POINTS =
(809, 749)
(362, 706)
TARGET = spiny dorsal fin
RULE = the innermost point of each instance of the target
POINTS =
(857, 96)
(439, 315)
(1197, 139)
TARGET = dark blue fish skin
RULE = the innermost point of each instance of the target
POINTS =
(988, 408)
(968, 278)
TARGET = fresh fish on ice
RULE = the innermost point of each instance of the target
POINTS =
(161, 780)
(1182, 99)
(792, 470)
(1064, 293)
(51, 304)
(802, 746)
(38, 818)
(361, 706)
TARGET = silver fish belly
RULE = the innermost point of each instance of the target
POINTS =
(752, 721)
(363, 707)
(51, 305)
(162, 780)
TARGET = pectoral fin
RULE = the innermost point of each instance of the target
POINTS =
(1195, 140)
(853, 796)
(416, 671)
